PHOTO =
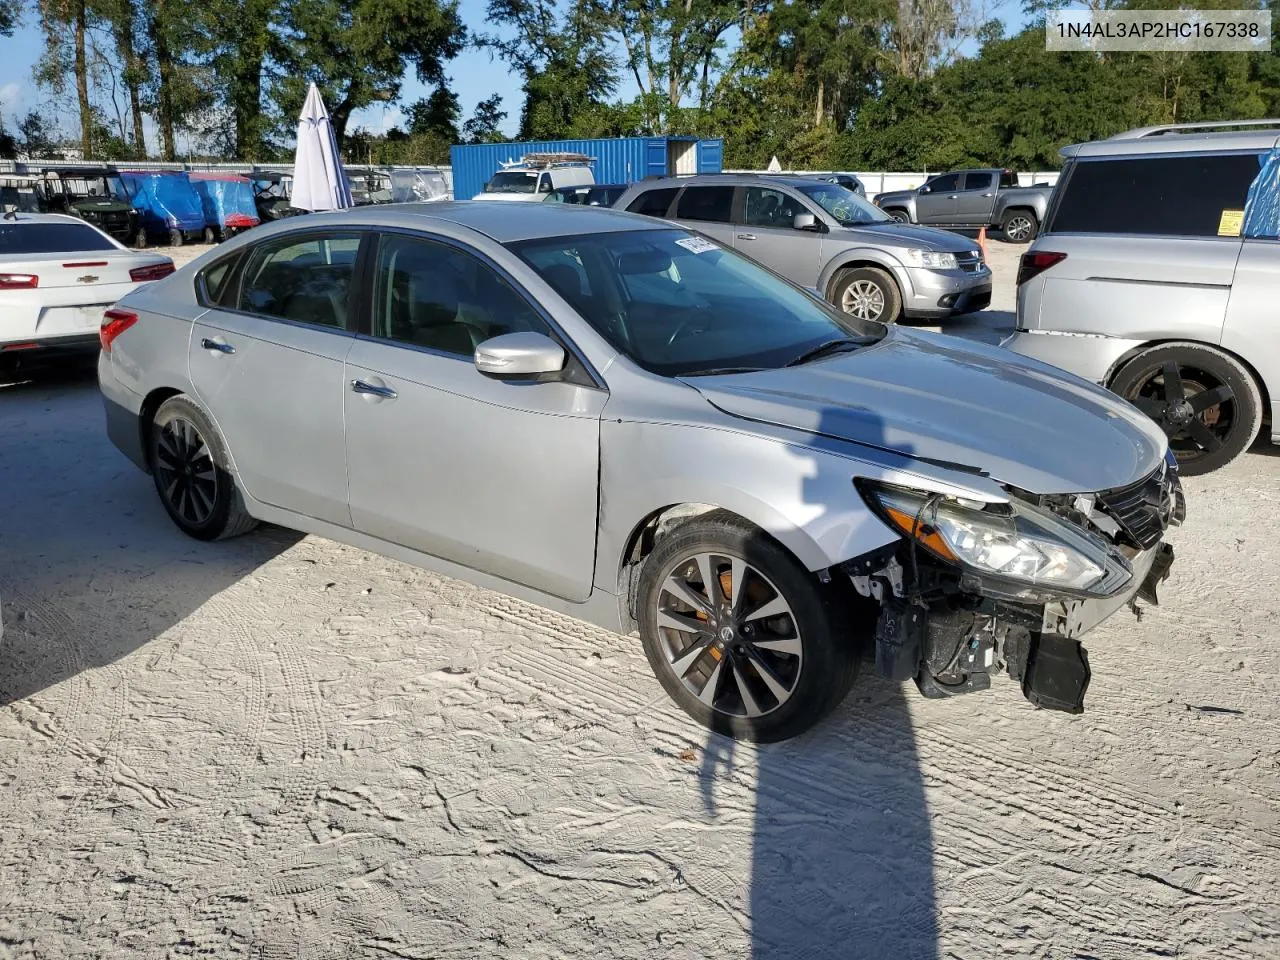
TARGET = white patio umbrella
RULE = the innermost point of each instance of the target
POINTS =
(318, 180)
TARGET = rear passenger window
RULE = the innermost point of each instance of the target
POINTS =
(307, 281)
(978, 181)
(653, 203)
(713, 204)
(1179, 196)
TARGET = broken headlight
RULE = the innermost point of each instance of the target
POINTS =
(1012, 541)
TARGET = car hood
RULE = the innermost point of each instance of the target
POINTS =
(906, 235)
(897, 195)
(940, 399)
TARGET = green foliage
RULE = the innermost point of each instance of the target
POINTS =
(484, 123)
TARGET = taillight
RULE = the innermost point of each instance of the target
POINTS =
(18, 281)
(114, 323)
(1037, 262)
(152, 271)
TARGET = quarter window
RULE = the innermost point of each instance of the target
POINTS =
(434, 295)
(304, 280)
(713, 204)
(653, 203)
(1179, 196)
(769, 208)
(213, 279)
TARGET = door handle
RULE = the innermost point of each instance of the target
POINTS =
(369, 389)
(988, 194)
(217, 346)
(746, 236)
(952, 197)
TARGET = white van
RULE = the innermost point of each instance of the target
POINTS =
(536, 175)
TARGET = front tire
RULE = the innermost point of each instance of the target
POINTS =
(1020, 226)
(740, 635)
(1206, 401)
(140, 240)
(867, 293)
(900, 216)
(209, 235)
(193, 474)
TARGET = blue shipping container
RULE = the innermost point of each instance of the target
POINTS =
(618, 160)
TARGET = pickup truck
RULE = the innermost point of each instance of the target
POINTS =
(973, 198)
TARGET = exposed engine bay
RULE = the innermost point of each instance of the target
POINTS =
(951, 627)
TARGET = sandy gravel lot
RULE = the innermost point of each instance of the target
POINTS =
(279, 747)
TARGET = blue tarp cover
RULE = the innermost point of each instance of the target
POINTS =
(165, 201)
(227, 203)
(1262, 208)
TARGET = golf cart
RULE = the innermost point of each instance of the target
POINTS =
(369, 186)
(418, 185)
(19, 193)
(96, 195)
(271, 190)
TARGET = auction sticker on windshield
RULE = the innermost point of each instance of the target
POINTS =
(697, 244)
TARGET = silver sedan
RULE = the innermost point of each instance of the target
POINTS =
(618, 419)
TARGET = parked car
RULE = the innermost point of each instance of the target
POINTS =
(228, 202)
(849, 181)
(973, 198)
(618, 419)
(168, 207)
(536, 175)
(57, 276)
(828, 239)
(588, 195)
(1146, 281)
(96, 195)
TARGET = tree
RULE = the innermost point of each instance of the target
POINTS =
(484, 122)
(234, 39)
(567, 68)
(66, 28)
(358, 51)
(927, 34)
(124, 18)
(10, 16)
(8, 146)
(436, 115)
(33, 138)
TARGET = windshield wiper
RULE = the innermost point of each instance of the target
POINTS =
(715, 371)
(826, 349)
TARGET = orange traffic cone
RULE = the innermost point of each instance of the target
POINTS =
(982, 242)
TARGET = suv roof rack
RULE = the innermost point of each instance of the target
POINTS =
(1157, 131)
(542, 161)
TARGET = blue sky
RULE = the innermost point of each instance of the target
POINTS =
(474, 75)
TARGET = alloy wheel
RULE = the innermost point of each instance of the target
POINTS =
(1194, 408)
(729, 635)
(185, 469)
(864, 299)
(1017, 228)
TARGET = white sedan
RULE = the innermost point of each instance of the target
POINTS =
(57, 276)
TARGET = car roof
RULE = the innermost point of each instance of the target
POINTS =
(1146, 141)
(40, 218)
(726, 180)
(502, 222)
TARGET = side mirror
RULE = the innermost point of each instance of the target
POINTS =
(524, 355)
(925, 189)
(805, 221)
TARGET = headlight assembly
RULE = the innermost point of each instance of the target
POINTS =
(1015, 541)
(930, 259)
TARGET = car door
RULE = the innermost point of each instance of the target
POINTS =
(766, 232)
(936, 200)
(976, 199)
(267, 363)
(499, 476)
(709, 210)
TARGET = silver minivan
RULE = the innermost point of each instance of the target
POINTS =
(1146, 280)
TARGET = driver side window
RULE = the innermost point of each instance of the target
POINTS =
(763, 207)
(437, 296)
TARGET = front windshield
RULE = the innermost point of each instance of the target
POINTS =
(513, 182)
(679, 305)
(843, 204)
(114, 188)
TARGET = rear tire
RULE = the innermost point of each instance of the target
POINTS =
(746, 676)
(192, 473)
(209, 235)
(1020, 226)
(1205, 433)
(175, 238)
(140, 240)
(867, 293)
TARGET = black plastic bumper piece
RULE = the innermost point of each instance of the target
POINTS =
(1057, 673)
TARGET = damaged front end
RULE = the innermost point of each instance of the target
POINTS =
(973, 588)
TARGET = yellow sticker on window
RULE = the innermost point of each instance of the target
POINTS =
(1231, 223)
